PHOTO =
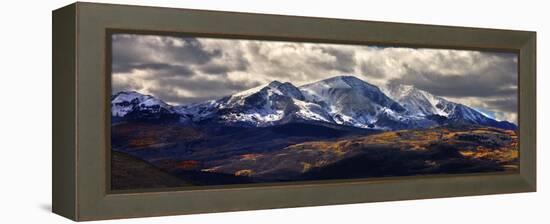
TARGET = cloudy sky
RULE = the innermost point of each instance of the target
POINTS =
(182, 70)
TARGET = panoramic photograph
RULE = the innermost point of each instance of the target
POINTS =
(196, 111)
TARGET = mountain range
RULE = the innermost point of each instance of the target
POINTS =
(340, 100)
(337, 128)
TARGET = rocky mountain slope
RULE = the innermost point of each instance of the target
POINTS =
(342, 100)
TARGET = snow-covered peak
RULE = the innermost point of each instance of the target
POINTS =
(351, 101)
(127, 96)
(274, 84)
(290, 90)
(417, 101)
(343, 100)
(398, 91)
(133, 96)
(274, 87)
(339, 82)
(125, 102)
(346, 89)
(250, 91)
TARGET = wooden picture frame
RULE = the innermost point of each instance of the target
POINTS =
(81, 113)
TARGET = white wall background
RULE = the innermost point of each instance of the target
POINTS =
(25, 112)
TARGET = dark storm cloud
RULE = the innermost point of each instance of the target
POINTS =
(215, 69)
(240, 64)
(497, 78)
(131, 52)
(371, 70)
(505, 105)
(162, 69)
(345, 60)
(278, 64)
(208, 86)
(458, 85)
(127, 85)
(170, 94)
(203, 89)
(194, 52)
(182, 70)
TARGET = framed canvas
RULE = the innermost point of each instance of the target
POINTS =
(202, 111)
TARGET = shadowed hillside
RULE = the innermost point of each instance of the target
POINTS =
(234, 155)
(128, 172)
(442, 150)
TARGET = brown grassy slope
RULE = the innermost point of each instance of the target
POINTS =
(395, 153)
(474, 142)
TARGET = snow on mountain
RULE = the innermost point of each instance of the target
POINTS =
(134, 104)
(311, 111)
(269, 104)
(198, 111)
(465, 113)
(418, 102)
(344, 100)
(274, 88)
(351, 101)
